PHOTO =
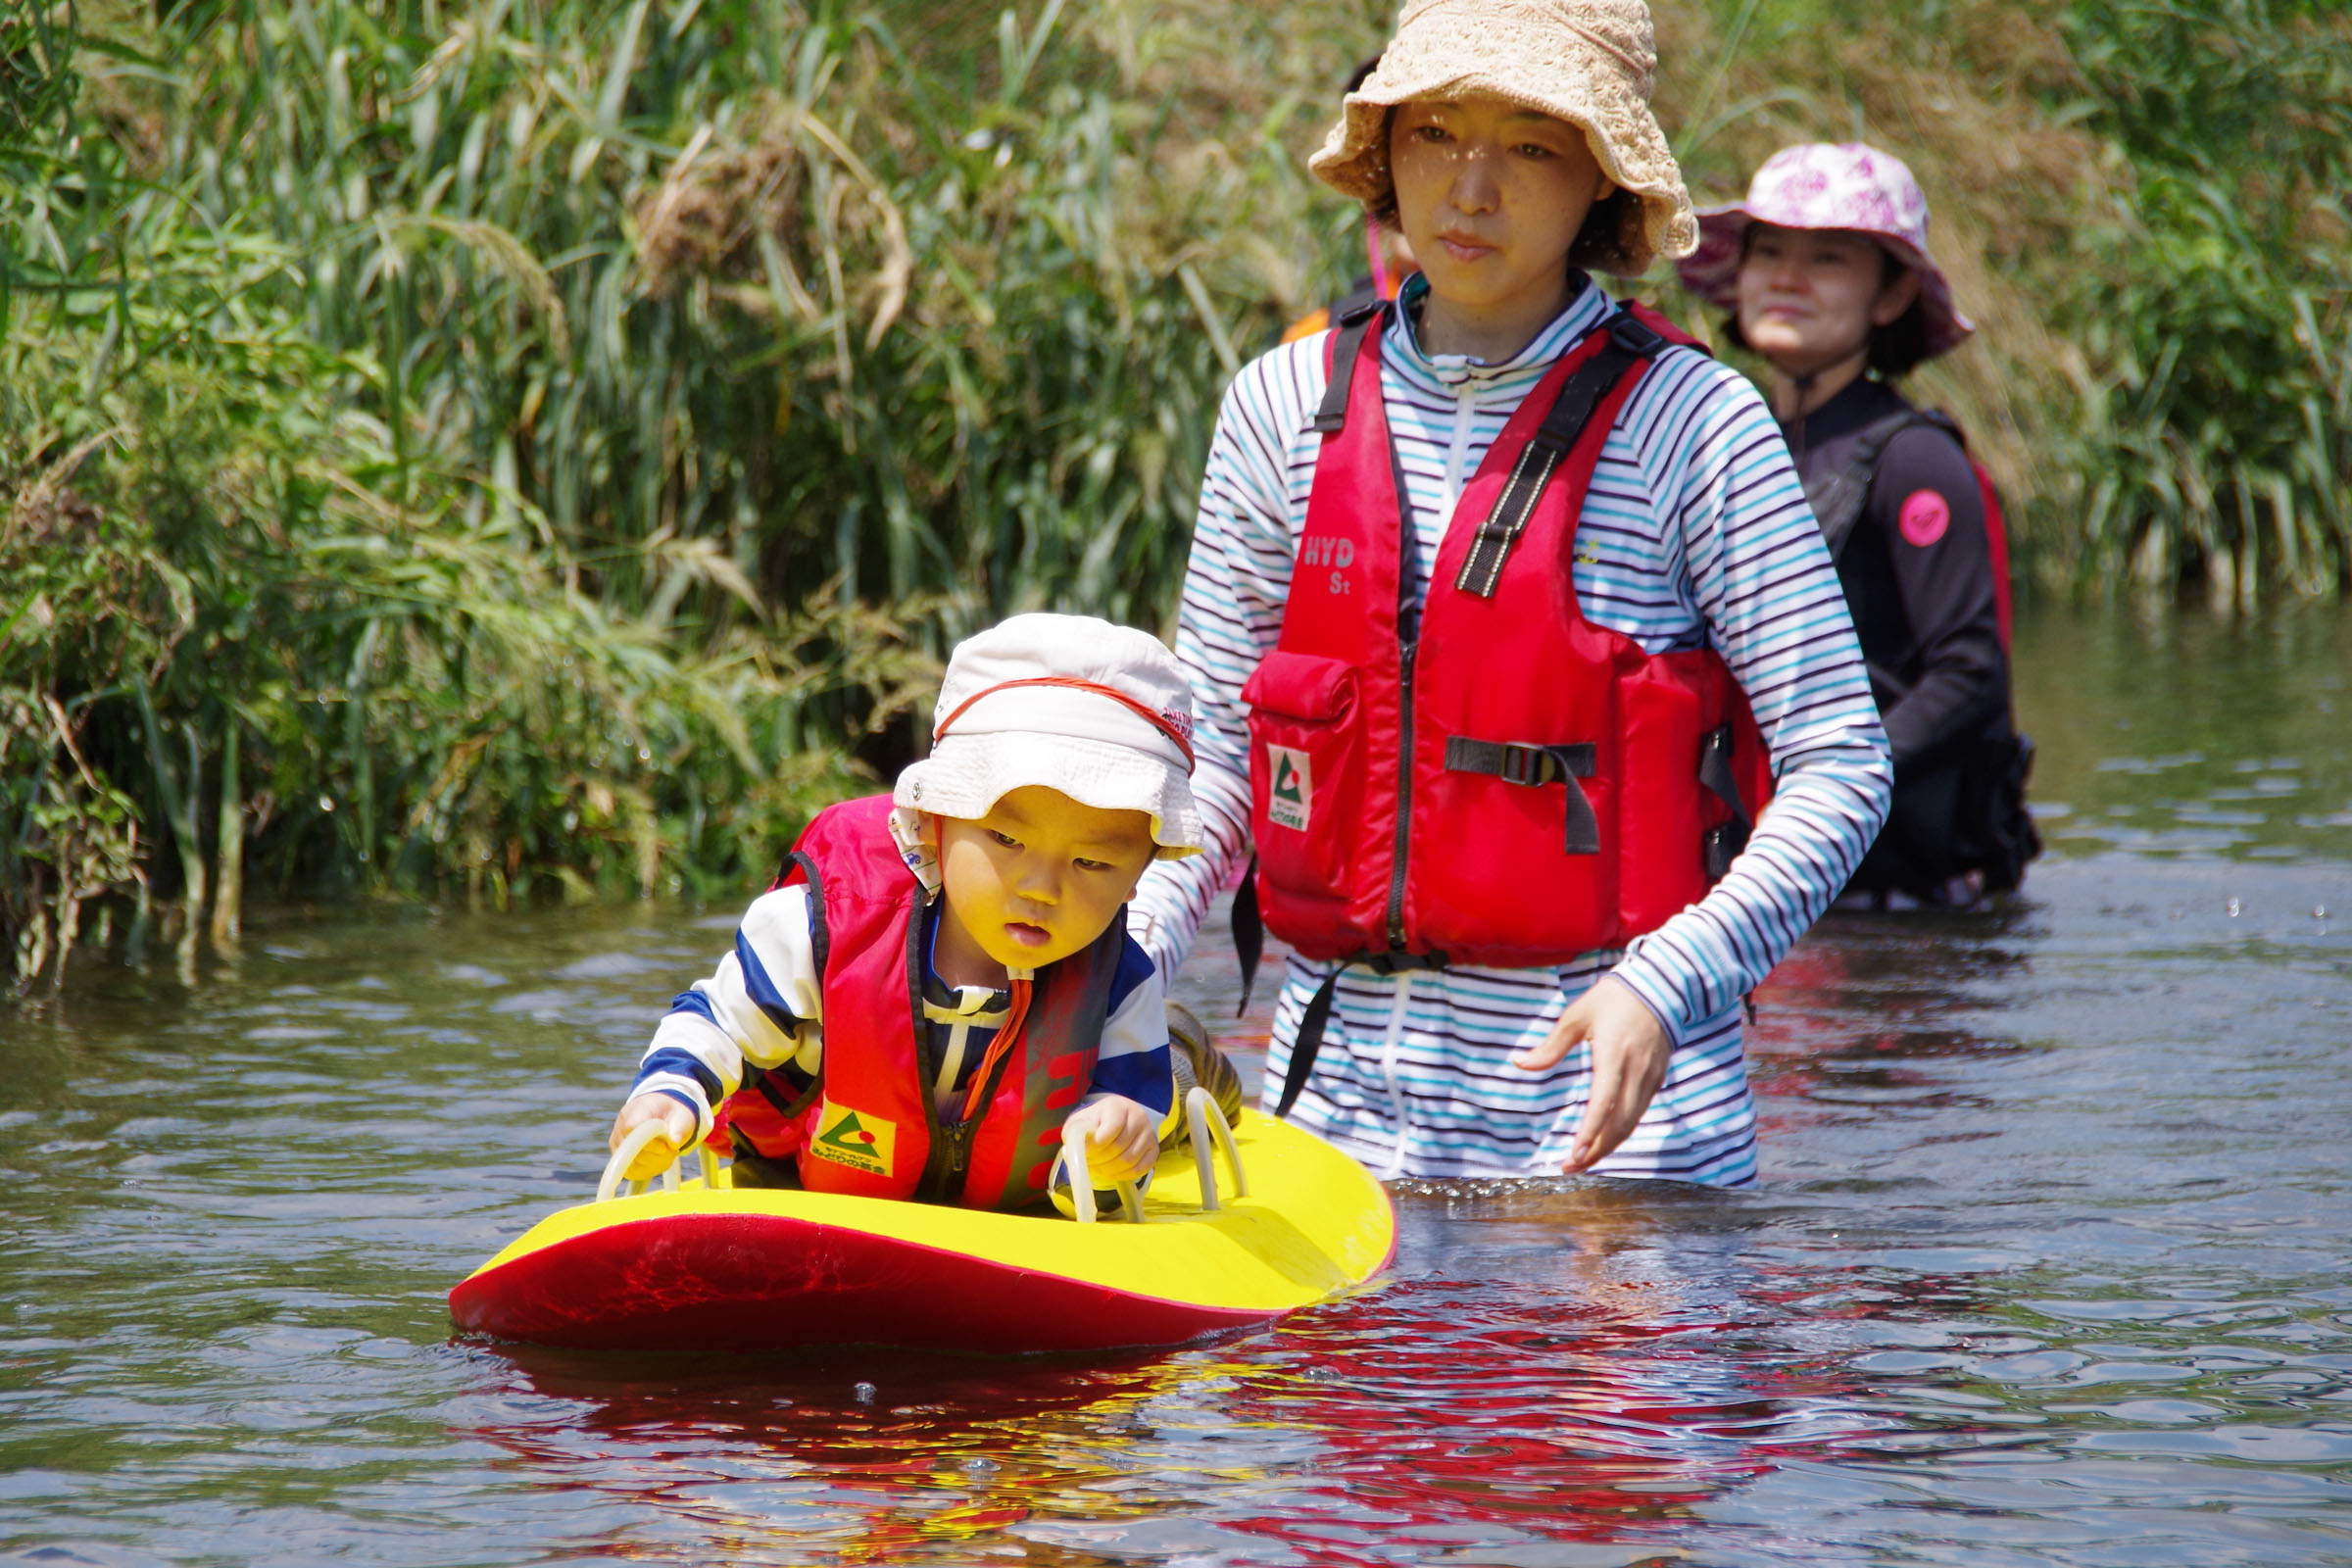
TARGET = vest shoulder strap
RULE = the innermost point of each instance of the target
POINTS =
(1837, 497)
(1357, 324)
(1630, 342)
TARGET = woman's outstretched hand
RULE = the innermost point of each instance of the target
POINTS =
(1629, 1047)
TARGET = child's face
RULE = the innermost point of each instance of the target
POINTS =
(1041, 876)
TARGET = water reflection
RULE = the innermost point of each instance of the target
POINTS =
(2049, 1264)
(1847, 1027)
(861, 1456)
(1593, 1399)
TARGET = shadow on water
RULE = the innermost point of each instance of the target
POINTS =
(2049, 1264)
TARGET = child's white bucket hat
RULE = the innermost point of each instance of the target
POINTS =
(1841, 186)
(1102, 713)
(1591, 62)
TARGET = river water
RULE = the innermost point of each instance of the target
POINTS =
(2049, 1264)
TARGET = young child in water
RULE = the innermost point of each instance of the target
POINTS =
(941, 981)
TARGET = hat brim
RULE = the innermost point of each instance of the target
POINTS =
(1566, 77)
(965, 775)
(1713, 270)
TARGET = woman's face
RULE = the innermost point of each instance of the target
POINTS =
(1809, 298)
(1490, 196)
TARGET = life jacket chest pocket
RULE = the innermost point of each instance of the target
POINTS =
(1306, 766)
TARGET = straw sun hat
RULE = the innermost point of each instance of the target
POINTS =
(1589, 62)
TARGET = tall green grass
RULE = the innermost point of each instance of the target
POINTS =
(2141, 201)
(490, 448)
(2214, 302)
(503, 447)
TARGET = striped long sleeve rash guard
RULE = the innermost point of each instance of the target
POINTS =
(1694, 533)
(763, 1009)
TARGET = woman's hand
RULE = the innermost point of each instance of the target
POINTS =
(677, 1133)
(1629, 1047)
(1122, 1139)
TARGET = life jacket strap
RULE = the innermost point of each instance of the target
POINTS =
(1355, 326)
(1248, 932)
(1535, 766)
(1317, 1017)
(1629, 343)
(757, 1077)
(1724, 841)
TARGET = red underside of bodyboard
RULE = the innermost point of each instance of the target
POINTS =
(763, 1282)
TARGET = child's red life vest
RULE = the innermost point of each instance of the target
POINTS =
(1505, 783)
(871, 1128)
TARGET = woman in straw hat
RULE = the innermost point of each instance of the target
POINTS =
(1825, 265)
(1485, 588)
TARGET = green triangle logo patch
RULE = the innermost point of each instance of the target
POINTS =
(1285, 781)
(849, 1133)
(1290, 797)
(863, 1142)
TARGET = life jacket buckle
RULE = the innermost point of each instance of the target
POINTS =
(1636, 336)
(1526, 764)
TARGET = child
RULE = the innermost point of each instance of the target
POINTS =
(988, 894)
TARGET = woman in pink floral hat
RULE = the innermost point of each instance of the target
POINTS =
(1825, 265)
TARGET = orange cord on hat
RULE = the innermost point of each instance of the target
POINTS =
(1008, 1035)
(1157, 720)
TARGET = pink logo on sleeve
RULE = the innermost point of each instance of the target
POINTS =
(1925, 517)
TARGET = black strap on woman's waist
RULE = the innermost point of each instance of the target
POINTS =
(1317, 1017)
(1534, 766)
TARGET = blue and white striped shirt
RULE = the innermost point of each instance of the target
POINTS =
(764, 1008)
(1694, 533)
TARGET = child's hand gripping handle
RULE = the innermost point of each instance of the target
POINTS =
(616, 1169)
(1082, 1179)
(650, 1132)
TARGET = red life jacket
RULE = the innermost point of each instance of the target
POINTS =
(1996, 544)
(870, 1126)
(1507, 783)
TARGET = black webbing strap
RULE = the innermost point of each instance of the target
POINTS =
(1248, 932)
(1535, 766)
(1354, 327)
(1629, 342)
(1838, 496)
(1317, 1017)
(1725, 839)
(788, 1109)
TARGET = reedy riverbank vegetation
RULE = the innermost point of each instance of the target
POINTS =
(495, 447)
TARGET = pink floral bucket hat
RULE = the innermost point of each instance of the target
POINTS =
(1824, 185)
